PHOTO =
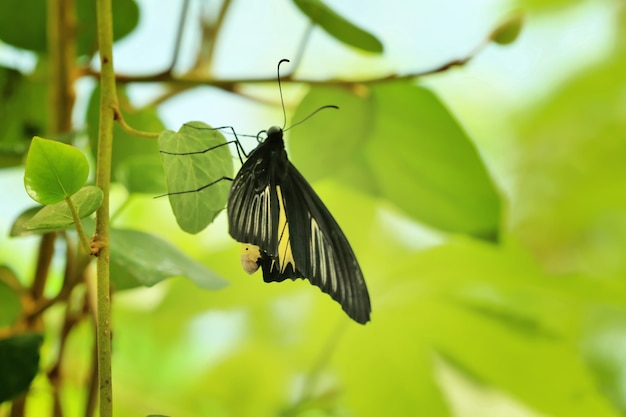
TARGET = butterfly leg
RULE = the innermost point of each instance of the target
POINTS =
(197, 189)
(237, 143)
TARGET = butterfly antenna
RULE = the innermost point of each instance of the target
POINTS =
(282, 102)
(330, 106)
(280, 90)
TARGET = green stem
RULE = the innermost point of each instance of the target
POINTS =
(108, 102)
(132, 130)
(78, 224)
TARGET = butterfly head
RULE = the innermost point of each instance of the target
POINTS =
(272, 135)
(274, 130)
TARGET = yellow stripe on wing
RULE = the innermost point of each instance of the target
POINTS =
(285, 256)
(250, 254)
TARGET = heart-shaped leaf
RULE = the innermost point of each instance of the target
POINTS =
(193, 158)
(54, 171)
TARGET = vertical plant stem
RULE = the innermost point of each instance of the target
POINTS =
(108, 104)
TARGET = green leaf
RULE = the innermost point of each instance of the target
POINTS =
(426, 164)
(23, 114)
(326, 144)
(547, 6)
(9, 298)
(572, 215)
(425, 311)
(18, 228)
(19, 361)
(142, 174)
(529, 320)
(338, 27)
(128, 149)
(603, 350)
(23, 23)
(512, 362)
(54, 171)
(399, 142)
(196, 210)
(58, 216)
(508, 31)
(412, 373)
(142, 259)
(125, 19)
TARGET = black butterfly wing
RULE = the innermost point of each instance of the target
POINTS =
(320, 249)
(253, 203)
(256, 210)
(273, 207)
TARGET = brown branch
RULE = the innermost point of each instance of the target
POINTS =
(74, 270)
(194, 80)
(72, 318)
(46, 250)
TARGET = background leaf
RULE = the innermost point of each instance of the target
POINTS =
(23, 113)
(23, 23)
(508, 31)
(9, 298)
(141, 259)
(142, 174)
(338, 27)
(326, 145)
(19, 360)
(426, 164)
(401, 144)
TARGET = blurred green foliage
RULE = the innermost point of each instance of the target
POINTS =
(486, 289)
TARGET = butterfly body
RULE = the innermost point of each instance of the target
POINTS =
(288, 232)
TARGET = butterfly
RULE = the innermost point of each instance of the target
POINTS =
(284, 227)
(288, 232)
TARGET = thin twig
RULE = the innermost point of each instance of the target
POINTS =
(179, 36)
(84, 240)
(306, 37)
(120, 119)
(216, 31)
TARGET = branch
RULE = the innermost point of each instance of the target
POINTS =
(192, 79)
(78, 224)
(76, 263)
(120, 119)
